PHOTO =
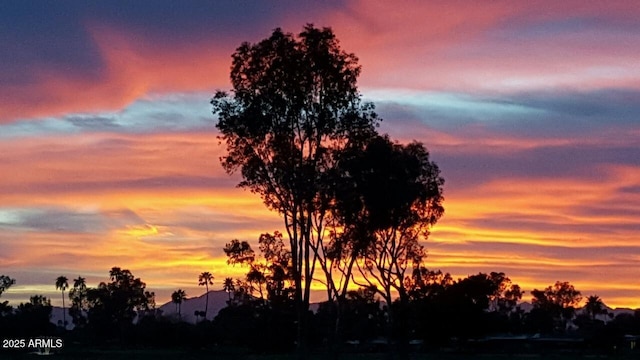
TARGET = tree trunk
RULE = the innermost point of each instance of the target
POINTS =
(64, 316)
(206, 305)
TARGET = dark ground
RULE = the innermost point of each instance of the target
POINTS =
(237, 354)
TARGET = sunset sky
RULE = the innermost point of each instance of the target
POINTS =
(109, 156)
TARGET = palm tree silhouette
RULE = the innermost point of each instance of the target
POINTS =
(594, 306)
(205, 279)
(80, 283)
(177, 298)
(77, 295)
(62, 284)
(228, 286)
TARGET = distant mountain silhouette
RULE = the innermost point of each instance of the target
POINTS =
(527, 306)
(56, 315)
(217, 301)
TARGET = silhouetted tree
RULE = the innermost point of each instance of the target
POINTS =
(477, 305)
(62, 284)
(425, 283)
(594, 306)
(198, 313)
(625, 323)
(205, 279)
(555, 305)
(177, 297)
(271, 271)
(242, 293)
(277, 265)
(363, 316)
(79, 304)
(229, 287)
(505, 295)
(5, 283)
(295, 104)
(113, 305)
(33, 318)
(242, 253)
(472, 299)
(239, 252)
(391, 195)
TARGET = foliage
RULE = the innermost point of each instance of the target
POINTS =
(594, 307)
(79, 303)
(390, 195)
(229, 287)
(178, 297)
(554, 306)
(205, 279)
(293, 107)
(363, 318)
(114, 305)
(270, 272)
(239, 252)
(443, 308)
(63, 284)
(32, 318)
(561, 294)
(5, 283)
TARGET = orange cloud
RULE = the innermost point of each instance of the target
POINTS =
(161, 205)
(131, 69)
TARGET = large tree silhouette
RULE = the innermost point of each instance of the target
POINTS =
(62, 284)
(391, 195)
(205, 279)
(294, 105)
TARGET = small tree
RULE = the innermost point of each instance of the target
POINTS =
(228, 287)
(33, 318)
(557, 301)
(594, 307)
(79, 304)
(177, 297)
(271, 271)
(205, 279)
(5, 283)
(113, 305)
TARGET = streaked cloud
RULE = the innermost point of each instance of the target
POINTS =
(109, 155)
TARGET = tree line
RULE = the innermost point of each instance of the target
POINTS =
(438, 312)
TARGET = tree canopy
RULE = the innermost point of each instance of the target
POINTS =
(114, 304)
(294, 107)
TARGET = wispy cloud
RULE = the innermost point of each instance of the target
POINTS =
(109, 155)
